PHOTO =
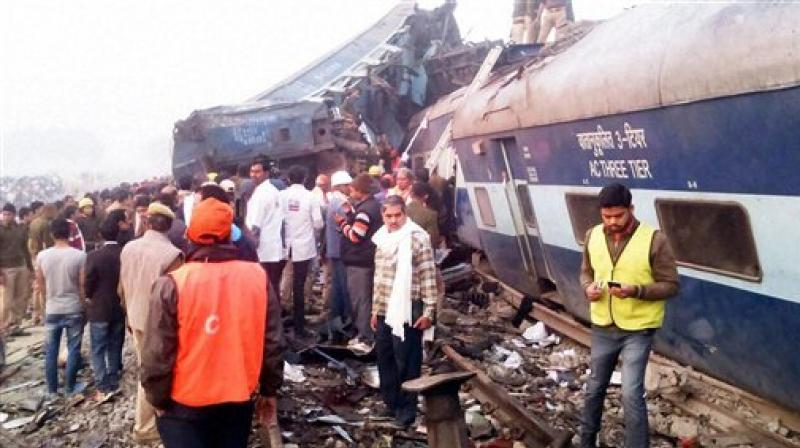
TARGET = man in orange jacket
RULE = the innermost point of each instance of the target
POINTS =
(214, 340)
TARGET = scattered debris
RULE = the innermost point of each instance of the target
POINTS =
(293, 373)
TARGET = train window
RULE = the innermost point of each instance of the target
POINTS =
(584, 212)
(285, 135)
(524, 197)
(485, 206)
(711, 236)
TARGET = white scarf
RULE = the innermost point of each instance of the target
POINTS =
(398, 308)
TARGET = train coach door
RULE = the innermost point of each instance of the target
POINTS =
(521, 206)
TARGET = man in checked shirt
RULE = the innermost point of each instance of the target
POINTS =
(404, 305)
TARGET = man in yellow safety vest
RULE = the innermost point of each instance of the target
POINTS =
(628, 272)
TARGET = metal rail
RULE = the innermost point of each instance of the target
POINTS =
(719, 418)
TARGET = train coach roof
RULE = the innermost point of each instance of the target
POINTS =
(650, 56)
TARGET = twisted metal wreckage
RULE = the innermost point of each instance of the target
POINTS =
(348, 108)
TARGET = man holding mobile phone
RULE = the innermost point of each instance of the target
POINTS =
(628, 272)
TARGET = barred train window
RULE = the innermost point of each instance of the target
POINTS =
(584, 212)
(485, 206)
(711, 236)
(524, 197)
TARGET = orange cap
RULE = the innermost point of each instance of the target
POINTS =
(211, 222)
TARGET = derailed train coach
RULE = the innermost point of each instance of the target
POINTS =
(345, 109)
(697, 109)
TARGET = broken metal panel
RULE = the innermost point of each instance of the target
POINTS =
(228, 136)
(335, 64)
(369, 87)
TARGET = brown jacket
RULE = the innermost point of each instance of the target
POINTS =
(426, 218)
(662, 261)
(160, 345)
(142, 262)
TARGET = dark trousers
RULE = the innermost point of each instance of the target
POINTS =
(223, 426)
(107, 339)
(359, 289)
(608, 344)
(299, 275)
(274, 273)
(398, 361)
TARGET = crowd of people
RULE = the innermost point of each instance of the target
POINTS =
(200, 275)
(197, 275)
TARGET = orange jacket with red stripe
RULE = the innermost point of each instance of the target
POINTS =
(211, 338)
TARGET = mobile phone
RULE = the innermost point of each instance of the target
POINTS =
(614, 285)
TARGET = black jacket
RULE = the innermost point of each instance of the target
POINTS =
(362, 252)
(102, 278)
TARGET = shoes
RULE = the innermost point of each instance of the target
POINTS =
(404, 422)
(78, 388)
(360, 347)
(385, 414)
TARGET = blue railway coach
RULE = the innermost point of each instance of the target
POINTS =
(697, 109)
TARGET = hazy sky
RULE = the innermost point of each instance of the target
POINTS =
(96, 85)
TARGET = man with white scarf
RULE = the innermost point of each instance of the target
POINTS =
(404, 305)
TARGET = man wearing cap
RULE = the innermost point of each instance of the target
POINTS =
(628, 272)
(213, 340)
(361, 220)
(15, 269)
(265, 220)
(88, 223)
(142, 262)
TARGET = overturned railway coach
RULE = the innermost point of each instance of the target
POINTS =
(697, 109)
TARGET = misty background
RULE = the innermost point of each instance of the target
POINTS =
(90, 89)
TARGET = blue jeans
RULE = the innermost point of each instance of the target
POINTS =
(340, 299)
(55, 324)
(608, 344)
(107, 339)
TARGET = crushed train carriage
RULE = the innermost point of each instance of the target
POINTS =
(342, 110)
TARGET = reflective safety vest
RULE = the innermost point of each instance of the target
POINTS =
(632, 268)
(222, 315)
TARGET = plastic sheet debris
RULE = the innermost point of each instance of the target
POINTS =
(293, 373)
(18, 423)
(536, 333)
(370, 377)
(513, 361)
(343, 434)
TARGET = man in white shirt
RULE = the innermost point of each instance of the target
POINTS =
(265, 219)
(302, 218)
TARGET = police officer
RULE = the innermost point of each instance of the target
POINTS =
(628, 272)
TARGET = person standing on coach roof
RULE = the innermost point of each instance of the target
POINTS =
(628, 272)
(142, 262)
(213, 339)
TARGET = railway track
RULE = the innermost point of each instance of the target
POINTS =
(742, 418)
